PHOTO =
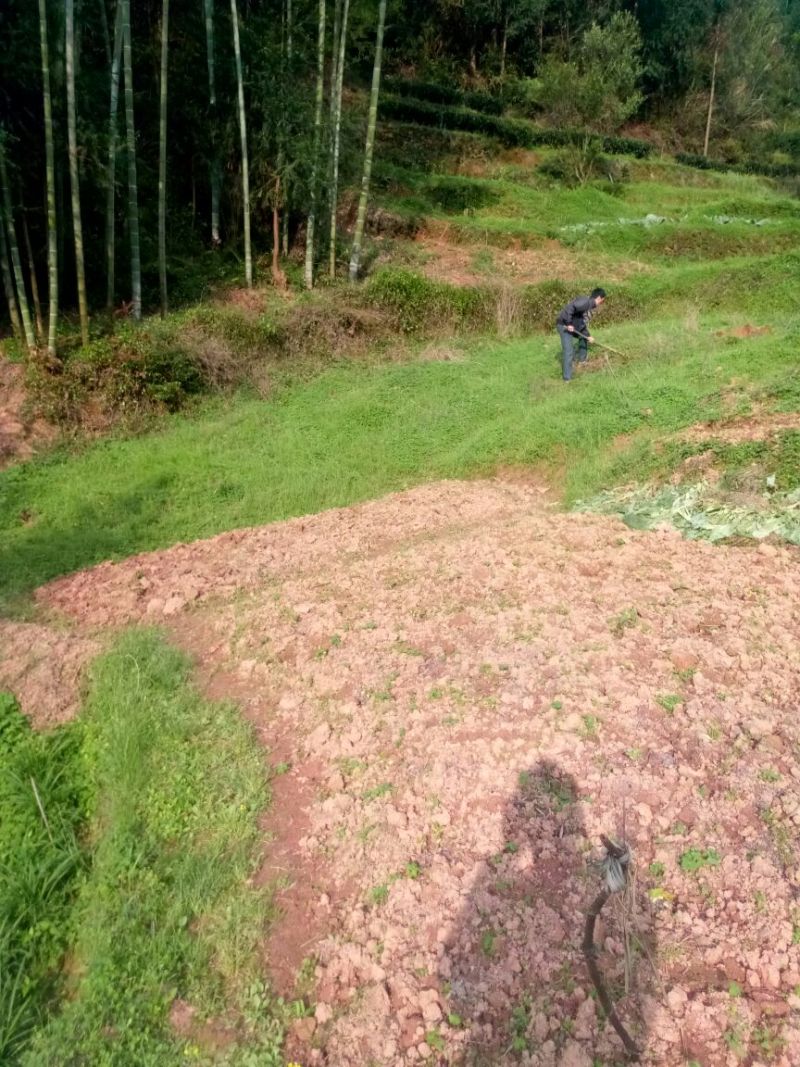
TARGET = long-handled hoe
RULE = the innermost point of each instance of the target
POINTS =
(610, 366)
(600, 344)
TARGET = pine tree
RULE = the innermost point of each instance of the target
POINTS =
(52, 226)
(248, 255)
(355, 259)
(312, 213)
(74, 178)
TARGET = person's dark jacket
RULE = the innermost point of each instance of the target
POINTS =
(577, 314)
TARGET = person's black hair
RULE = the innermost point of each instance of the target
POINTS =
(598, 292)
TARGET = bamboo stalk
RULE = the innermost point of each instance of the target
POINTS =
(116, 64)
(312, 213)
(248, 255)
(37, 303)
(52, 216)
(162, 159)
(8, 284)
(337, 130)
(355, 259)
(133, 182)
(74, 177)
(13, 248)
(216, 176)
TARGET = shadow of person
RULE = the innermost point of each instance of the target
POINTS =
(519, 987)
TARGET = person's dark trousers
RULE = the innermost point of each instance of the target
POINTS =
(568, 350)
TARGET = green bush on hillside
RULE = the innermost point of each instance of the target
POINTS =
(579, 164)
(457, 195)
(435, 93)
(127, 374)
(416, 302)
(597, 86)
(515, 133)
(750, 166)
(787, 142)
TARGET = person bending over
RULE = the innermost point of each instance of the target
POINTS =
(573, 326)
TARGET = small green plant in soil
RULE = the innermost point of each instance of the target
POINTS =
(769, 1040)
(669, 702)
(625, 620)
(378, 791)
(379, 894)
(519, 1023)
(590, 727)
(695, 859)
(488, 942)
(435, 1040)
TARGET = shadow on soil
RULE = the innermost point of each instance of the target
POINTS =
(514, 967)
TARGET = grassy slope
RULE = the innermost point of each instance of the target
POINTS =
(355, 432)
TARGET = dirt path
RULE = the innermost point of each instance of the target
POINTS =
(470, 689)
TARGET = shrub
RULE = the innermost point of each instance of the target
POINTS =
(126, 375)
(415, 302)
(579, 164)
(445, 94)
(457, 195)
(515, 133)
(598, 88)
(749, 166)
(786, 143)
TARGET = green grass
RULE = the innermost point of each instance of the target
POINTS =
(164, 908)
(354, 433)
(522, 206)
(43, 808)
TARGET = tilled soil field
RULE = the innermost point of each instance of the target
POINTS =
(468, 690)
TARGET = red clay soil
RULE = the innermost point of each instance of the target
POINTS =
(19, 434)
(470, 688)
(455, 263)
(745, 331)
(759, 426)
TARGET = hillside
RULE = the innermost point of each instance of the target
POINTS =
(495, 648)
